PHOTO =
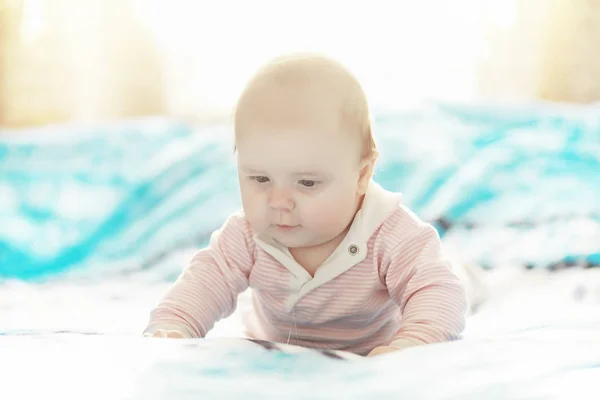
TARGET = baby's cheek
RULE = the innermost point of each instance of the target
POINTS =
(333, 214)
(255, 215)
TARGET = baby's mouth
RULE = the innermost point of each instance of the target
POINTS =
(284, 227)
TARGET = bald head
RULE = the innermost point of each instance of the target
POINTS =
(307, 91)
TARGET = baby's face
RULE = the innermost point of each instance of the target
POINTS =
(299, 184)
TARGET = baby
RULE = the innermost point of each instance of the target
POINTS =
(334, 261)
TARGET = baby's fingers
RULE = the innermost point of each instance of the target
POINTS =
(159, 333)
(174, 334)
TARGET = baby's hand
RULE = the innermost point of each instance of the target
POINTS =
(382, 350)
(165, 334)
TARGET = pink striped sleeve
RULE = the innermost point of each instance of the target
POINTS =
(431, 298)
(207, 289)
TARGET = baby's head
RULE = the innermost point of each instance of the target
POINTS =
(305, 149)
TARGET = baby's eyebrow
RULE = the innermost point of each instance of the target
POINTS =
(300, 173)
(252, 170)
(308, 173)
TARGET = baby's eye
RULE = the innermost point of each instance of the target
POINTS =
(260, 179)
(308, 183)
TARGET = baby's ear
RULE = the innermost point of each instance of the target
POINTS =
(367, 165)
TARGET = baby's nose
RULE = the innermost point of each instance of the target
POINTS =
(281, 199)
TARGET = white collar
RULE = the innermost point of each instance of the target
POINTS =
(378, 204)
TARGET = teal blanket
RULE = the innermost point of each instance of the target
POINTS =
(501, 185)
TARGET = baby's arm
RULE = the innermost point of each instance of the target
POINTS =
(431, 297)
(207, 289)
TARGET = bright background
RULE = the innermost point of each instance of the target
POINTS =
(70, 60)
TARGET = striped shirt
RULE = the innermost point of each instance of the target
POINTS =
(387, 283)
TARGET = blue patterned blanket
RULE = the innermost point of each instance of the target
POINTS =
(502, 185)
